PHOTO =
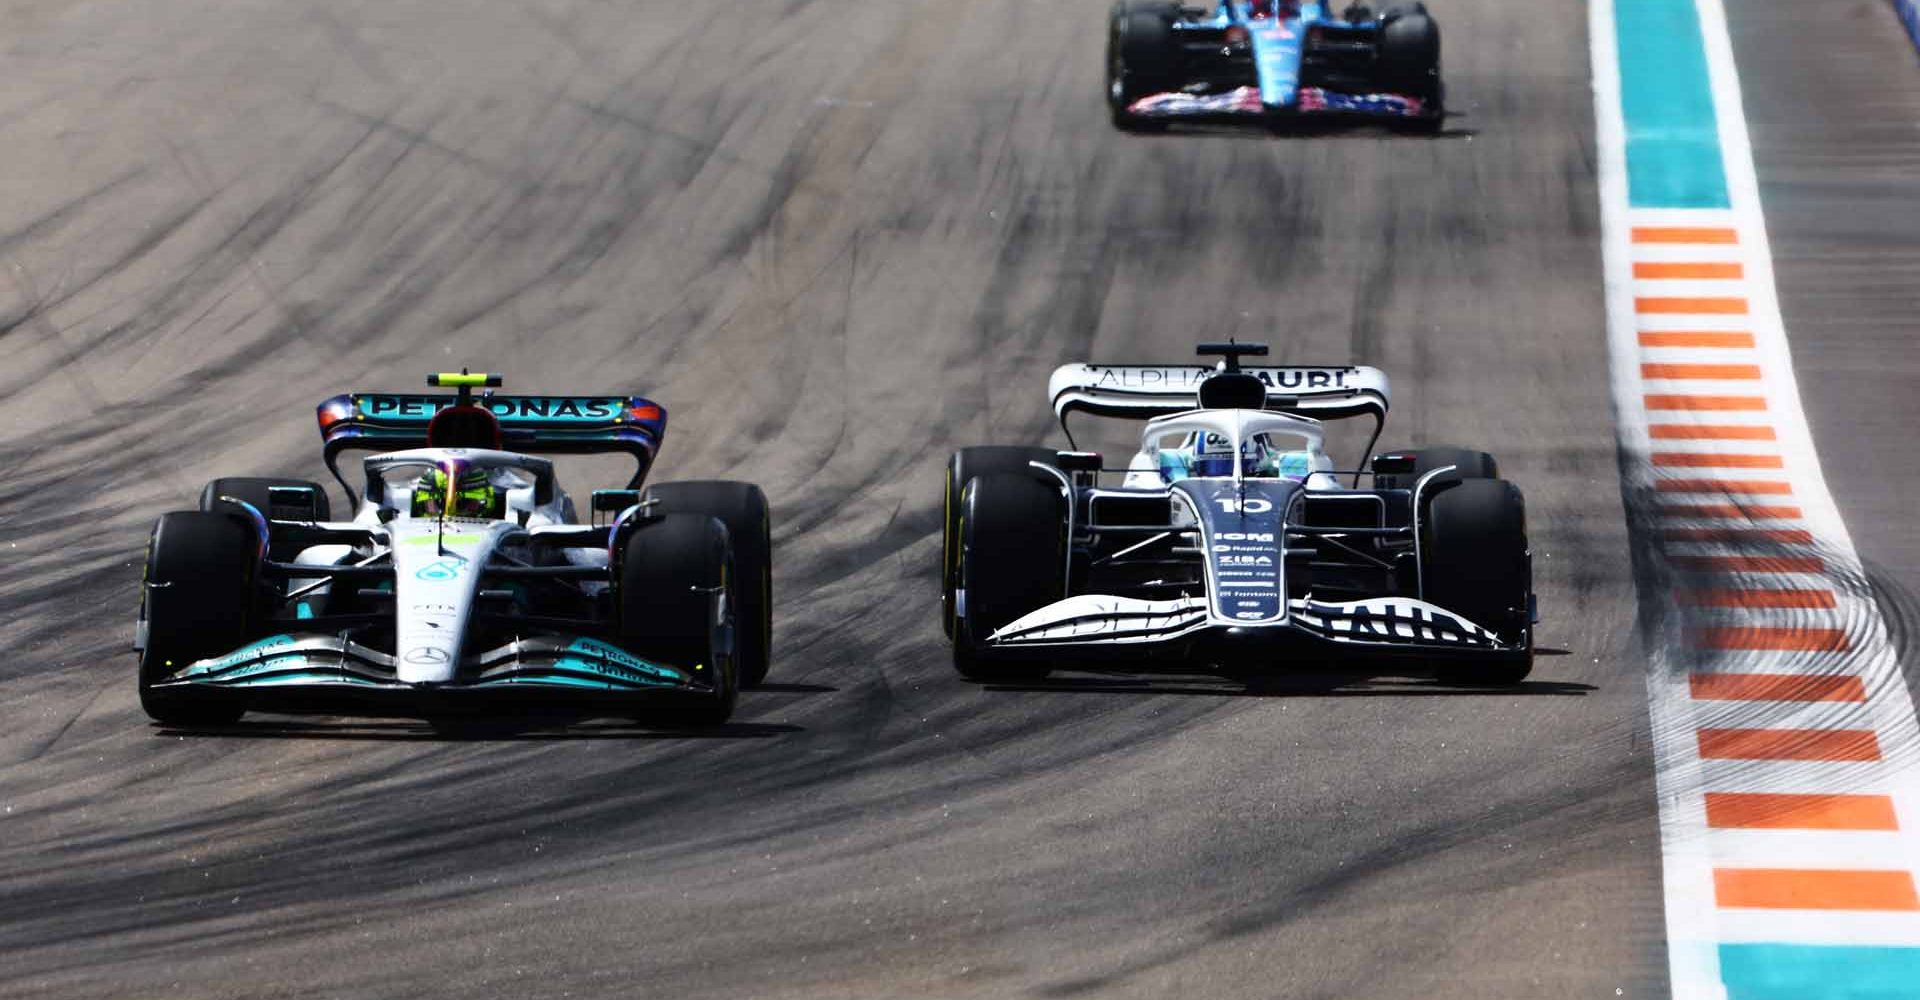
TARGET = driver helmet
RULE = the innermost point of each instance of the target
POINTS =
(1211, 455)
(463, 492)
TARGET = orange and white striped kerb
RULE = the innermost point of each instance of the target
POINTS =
(1784, 735)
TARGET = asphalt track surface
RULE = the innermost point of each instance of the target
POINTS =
(1839, 170)
(836, 239)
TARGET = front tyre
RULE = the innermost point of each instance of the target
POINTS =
(742, 507)
(675, 601)
(1012, 562)
(1408, 61)
(962, 468)
(1142, 59)
(197, 601)
(1477, 564)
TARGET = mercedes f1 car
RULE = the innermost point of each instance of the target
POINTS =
(1274, 59)
(463, 580)
(1231, 540)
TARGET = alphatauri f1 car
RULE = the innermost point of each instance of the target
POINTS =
(1275, 59)
(1231, 541)
(463, 580)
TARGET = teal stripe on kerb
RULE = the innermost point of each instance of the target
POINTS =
(1819, 972)
(1673, 143)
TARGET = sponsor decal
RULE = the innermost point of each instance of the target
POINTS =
(618, 662)
(1092, 616)
(441, 570)
(1243, 533)
(426, 656)
(1187, 378)
(448, 539)
(261, 651)
(585, 409)
(1391, 619)
(1241, 100)
(270, 665)
(1317, 99)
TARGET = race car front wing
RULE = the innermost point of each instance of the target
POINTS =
(1247, 101)
(330, 663)
(1388, 623)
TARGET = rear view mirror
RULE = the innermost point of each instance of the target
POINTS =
(614, 501)
(1392, 465)
(292, 503)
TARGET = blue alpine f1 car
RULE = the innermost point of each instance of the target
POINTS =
(1272, 59)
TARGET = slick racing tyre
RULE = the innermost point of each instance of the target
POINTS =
(1142, 58)
(1467, 464)
(1012, 561)
(196, 601)
(669, 573)
(967, 463)
(1408, 61)
(1476, 564)
(742, 507)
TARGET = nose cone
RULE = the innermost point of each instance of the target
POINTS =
(436, 574)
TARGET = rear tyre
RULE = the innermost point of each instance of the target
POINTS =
(196, 602)
(1142, 59)
(967, 463)
(742, 507)
(670, 573)
(1408, 62)
(1012, 561)
(1477, 564)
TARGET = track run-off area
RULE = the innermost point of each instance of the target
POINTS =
(839, 239)
(1784, 731)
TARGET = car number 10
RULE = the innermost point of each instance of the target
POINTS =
(1247, 505)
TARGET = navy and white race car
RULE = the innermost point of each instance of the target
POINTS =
(1273, 59)
(463, 578)
(1231, 540)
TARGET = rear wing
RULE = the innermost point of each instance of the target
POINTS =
(578, 425)
(1141, 392)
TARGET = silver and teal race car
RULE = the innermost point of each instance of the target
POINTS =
(463, 579)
